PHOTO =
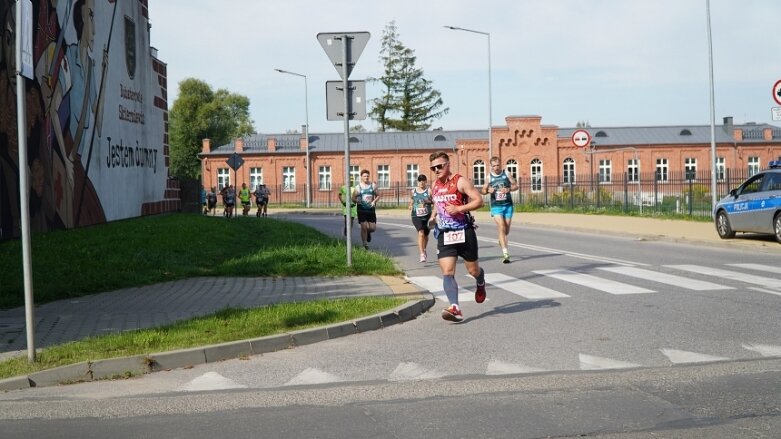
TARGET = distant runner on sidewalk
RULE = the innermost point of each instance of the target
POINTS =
(499, 186)
(365, 195)
(454, 197)
(420, 208)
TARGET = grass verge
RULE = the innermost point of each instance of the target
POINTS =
(223, 326)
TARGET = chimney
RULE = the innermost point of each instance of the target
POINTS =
(727, 125)
(206, 146)
(239, 144)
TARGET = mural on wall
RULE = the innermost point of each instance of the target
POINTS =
(95, 135)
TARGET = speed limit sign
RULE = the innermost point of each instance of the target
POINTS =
(581, 138)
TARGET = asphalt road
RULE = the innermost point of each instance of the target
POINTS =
(582, 334)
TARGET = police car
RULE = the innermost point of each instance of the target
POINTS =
(754, 207)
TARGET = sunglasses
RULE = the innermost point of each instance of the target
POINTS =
(438, 167)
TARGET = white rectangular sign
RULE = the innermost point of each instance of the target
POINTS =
(27, 39)
(776, 113)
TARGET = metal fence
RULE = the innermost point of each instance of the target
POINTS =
(685, 193)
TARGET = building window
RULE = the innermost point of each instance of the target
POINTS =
(568, 171)
(605, 170)
(355, 175)
(753, 166)
(324, 178)
(721, 166)
(223, 178)
(412, 175)
(383, 176)
(512, 169)
(662, 169)
(288, 178)
(255, 177)
(478, 173)
(633, 170)
(536, 175)
(690, 168)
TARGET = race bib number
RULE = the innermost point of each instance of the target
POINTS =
(421, 211)
(455, 237)
(368, 198)
(501, 196)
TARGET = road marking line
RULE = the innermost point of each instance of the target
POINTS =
(758, 267)
(211, 381)
(677, 357)
(522, 288)
(591, 362)
(727, 274)
(762, 290)
(413, 372)
(434, 285)
(310, 375)
(496, 367)
(764, 349)
(597, 283)
(669, 279)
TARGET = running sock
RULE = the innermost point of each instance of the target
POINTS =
(481, 278)
(451, 289)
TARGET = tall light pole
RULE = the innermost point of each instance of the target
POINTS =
(490, 115)
(712, 113)
(306, 136)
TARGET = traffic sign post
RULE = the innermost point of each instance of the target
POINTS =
(344, 49)
(777, 92)
(581, 138)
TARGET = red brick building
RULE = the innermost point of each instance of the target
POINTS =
(542, 157)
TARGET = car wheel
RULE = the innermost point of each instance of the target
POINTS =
(723, 227)
(777, 227)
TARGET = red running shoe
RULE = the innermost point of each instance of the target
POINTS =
(452, 314)
(480, 293)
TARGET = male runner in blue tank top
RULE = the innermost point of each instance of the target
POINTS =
(365, 196)
(454, 197)
(499, 185)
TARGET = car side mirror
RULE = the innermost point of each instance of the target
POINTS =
(734, 193)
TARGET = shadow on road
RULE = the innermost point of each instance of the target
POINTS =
(512, 308)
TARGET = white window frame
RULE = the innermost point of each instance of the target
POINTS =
(690, 169)
(383, 176)
(753, 166)
(721, 168)
(255, 177)
(413, 170)
(535, 173)
(605, 170)
(478, 173)
(223, 178)
(355, 175)
(568, 170)
(662, 174)
(512, 169)
(633, 170)
(288, 178)
(324, 178)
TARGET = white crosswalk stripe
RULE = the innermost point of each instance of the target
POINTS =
(669, 279)
(522, 288)
(681, 357)
(727, 274)
(594, 282)
(758, 267)
(434, 285)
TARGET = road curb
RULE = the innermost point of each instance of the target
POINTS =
(143, 364)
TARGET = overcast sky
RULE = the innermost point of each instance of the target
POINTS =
(608, 62)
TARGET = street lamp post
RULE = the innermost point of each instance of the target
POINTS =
(490, 116)
(306, 136)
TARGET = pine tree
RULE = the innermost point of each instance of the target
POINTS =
(409, 102)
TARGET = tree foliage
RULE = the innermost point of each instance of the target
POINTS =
(199, 113)
(409, 102)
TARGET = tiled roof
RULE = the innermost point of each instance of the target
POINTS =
(440, 139)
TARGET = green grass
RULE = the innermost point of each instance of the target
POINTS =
(148, 250)
(223, 326)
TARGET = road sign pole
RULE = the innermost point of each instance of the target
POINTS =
(346, 100)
